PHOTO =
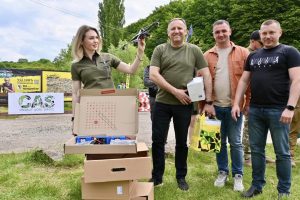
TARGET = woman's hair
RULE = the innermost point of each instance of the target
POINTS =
(77, 48)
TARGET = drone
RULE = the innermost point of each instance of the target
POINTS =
(144, 32)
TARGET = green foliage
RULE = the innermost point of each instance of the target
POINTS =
(127, 53)
(63, 61)
(39, 157)
(245, 16)
(111, 20)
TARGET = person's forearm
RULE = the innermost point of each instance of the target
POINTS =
(294, 93)
(160, 81)
(240, 91)
(208, 87)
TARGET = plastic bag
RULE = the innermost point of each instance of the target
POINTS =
(207, 134)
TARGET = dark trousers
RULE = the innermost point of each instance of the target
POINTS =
(162, 115)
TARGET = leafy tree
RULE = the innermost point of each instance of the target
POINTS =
(247, 17)
(64, 59)
(111, 21)
(127, 53)
(22, 60)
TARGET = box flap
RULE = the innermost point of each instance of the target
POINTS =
(107, 112)
(70, 147)
(142, 189)
(108, 92)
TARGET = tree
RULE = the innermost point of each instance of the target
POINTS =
(127, 53)
(64, 59)
(111, 20)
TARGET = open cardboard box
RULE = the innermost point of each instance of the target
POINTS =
(117, 190)
(107, 112)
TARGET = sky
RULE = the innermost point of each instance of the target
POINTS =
(35, 29)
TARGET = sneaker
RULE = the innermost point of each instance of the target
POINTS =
(238, 183)
(182, 184)
(251, 192)
(221, 179)
(156, 182)
(283, 196)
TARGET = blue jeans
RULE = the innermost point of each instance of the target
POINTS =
(162, 115)
(260, 121)
(232, 130)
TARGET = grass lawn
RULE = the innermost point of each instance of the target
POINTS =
(34, 176)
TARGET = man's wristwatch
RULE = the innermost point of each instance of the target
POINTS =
(209, 102)
(290, 108)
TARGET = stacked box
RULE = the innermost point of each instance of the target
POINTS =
(111, 171)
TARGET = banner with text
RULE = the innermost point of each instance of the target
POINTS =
(35, 103)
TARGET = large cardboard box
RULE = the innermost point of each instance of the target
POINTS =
(117, 190)
(118, 167)
(106, 112)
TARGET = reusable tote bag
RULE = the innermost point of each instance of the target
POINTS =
(206, 136)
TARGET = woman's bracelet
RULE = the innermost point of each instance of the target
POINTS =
(139, 58)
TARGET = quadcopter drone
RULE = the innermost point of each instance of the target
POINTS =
(144, 32)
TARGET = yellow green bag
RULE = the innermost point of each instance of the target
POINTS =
(206, 136)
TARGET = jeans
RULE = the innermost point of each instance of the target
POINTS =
(161, 120)
(232, 130)
(260, 121)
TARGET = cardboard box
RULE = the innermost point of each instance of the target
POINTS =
(123, 190)
(118, 167)
(196, 89)
(107, 190)
(106, 112)
(142, 191)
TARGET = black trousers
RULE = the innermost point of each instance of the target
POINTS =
(162, 115)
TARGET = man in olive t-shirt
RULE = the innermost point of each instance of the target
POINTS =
(172, 67)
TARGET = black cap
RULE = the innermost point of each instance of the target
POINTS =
(255, 35)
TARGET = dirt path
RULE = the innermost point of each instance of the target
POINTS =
(50, 132)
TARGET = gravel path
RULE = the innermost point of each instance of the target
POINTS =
(50, 132)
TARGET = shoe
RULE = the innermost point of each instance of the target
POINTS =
(283, 196)
(238, 183)
(248, 162)
(221, 179)
(251, 192)
(156, 182)
(182, 184)
(269, 160)
(293, 163)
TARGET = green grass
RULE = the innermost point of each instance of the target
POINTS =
(33, 175)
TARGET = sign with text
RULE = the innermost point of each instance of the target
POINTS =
(35, 103)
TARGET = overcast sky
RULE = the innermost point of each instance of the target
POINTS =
(35, 29)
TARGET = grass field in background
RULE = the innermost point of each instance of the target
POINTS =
(34, 176)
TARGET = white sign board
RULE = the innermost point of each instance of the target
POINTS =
(35, 103)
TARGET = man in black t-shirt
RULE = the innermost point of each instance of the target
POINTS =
(274, 75)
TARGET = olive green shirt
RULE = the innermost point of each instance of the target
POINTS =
(177, 66)
(96, 73)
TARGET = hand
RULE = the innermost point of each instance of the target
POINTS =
(235, 112)
(182, 96)
(209, 110)
(141, 47)
(287, 116)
